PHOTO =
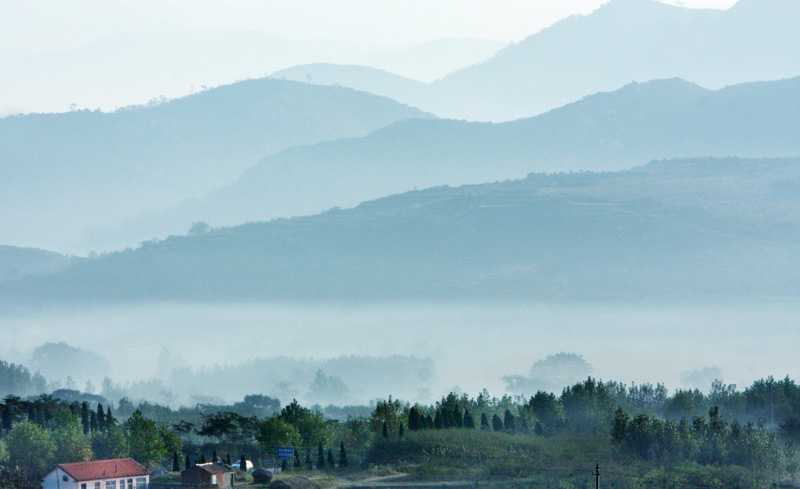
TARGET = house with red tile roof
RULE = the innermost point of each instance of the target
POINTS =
(118, 473)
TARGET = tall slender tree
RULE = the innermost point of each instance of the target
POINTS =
(342, 455)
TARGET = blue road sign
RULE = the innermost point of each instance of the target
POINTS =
(284, 453)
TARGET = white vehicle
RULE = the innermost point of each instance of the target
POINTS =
(249, 465)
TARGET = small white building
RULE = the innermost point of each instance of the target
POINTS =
(118, 473)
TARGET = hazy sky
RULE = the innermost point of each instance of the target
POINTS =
(37, 25)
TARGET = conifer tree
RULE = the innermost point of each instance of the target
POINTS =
(331, 462)
(110, 421)
(228, 459)
(385, 430)
(214, 458)
(484, 421)
(469, 422)
(187, 463)
(497, 423)
(93, 421)
(509, 423)
(458, 419)
(101, 418)
(243, 463)
(437, 421)
(5, 418)
(175, 465)
(414, 419)
(284, 465)
(85, 417)
(202, 458)
(342, 455)
(320, 456)
(401, 431)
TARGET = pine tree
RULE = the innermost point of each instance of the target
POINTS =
(320, 456)
(243, 463)
(342, 455)
(331, 462)
(385, 430)
(175, 465)
(187, 463)
(620, 428)
(401, 431)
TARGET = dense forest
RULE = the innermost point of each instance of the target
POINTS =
(642, 435)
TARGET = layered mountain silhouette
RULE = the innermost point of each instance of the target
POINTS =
(62, 173)
(622, 41)
(670, 229)
(607, 131)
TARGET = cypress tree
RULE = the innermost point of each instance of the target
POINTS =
(176, 467)
(214, 456)
(458, 420)
(331, 462)
(228, 459)
(509, 422)
(243, 463)
(320, 456)
(414, 419)
(385, 430)
(497, 423)
(429, 422)
(202, 458)
(469, 422)
(437, 421)
(187, 463)
(401, 431)
(85, 418)
(110, 421)
(342, 455)
(484, 421)
(93, 421)
(101, 418)
(5, 418)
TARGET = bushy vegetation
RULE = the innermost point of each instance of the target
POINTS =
(640, 435)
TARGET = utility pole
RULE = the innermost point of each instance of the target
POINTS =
(596, 474)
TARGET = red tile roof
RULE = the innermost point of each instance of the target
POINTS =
(104, 469)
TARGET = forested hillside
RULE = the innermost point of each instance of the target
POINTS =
(682, 228)
(64, 174)
(608, 131)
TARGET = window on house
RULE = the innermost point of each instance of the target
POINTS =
(97, 485)
(64, 478)
(111, 484)
(130, 483)
(213, 479)
(141, 482)
(83, 485)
